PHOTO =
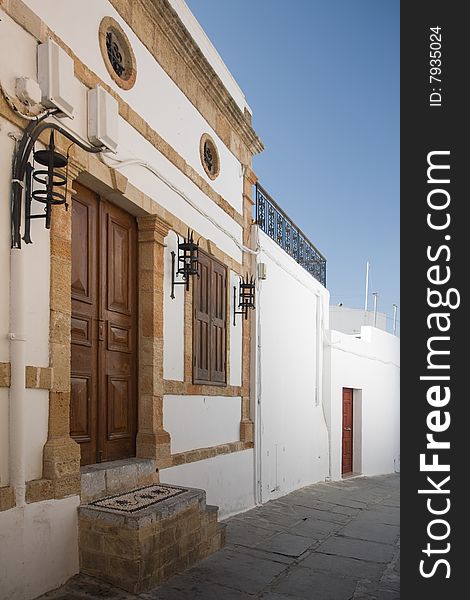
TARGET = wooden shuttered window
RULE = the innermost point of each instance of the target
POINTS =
(209, 325)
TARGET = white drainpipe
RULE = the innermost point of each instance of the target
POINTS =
(320, 333)
(17, 385)
(256, 395)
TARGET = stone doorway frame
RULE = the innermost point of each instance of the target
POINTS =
(61, 454)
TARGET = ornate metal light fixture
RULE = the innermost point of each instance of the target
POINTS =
(188, 262)
(51, 179)
(246, 296)
(24, 174)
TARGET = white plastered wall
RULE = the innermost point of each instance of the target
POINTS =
(227, 480)
(292, 439)
(173, 323)
(201, 421)
(37, 266)
(165, 108)
(236, 334)
(178, 122)
(11, 36)
(50, 525)
(350, 320)
(137, 147)
(371, 366)
(42, 537)
(6, 149)
(173, 316)
(154, 96)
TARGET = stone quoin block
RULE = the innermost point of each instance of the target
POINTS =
(5, 376)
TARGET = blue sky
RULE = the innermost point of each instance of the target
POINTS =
(322, 78)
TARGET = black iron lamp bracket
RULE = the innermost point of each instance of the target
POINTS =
(246, 297)
(186, 263)
(173, 277)
(23, 174)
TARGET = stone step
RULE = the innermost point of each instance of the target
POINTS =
(110, 478)
(139, 539)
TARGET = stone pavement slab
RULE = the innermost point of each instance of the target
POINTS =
(184, 587)
(247, 534)
(375, 532)
(315, 529)
(286, 544)
(306, 584)
(327, 541)
(361, 549)
(261, 553)
(238, 570)
(342, 566)
(323, 515)
(383, 514)
(274, 596)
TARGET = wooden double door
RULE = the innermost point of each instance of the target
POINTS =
(103, 413)
(347, 458)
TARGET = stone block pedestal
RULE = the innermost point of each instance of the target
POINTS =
(136, 541)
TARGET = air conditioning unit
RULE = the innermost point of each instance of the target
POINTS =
(56, 78)
(103, 118)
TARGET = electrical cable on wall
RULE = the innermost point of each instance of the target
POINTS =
(142, 163)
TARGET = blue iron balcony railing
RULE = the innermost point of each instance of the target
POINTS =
(276, 224)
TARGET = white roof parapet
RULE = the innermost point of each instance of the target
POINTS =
(210, 52)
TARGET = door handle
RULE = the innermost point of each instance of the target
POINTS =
(346, 428)
(101, 326)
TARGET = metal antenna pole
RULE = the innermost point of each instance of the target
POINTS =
(375, 294)
(367, 285)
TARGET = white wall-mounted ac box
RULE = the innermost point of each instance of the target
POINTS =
(262, 271)
(56, 78)
(103, 118)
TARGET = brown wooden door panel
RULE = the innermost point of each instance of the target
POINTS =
(84, 291)
(119, 391)
(81, 330)
(119, 337)
(347, 457)
(218, 322)
(202, 321)
(103, 329)
(81, 421)
(84, 213)
(119, 256)
(209, 335)
(119, 311)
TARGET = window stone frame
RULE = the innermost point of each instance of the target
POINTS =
(207, 139)
(110, 24)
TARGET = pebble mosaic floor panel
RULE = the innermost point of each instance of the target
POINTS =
(138, 499)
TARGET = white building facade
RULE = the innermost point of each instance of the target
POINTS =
(363, 371)
(104, 362)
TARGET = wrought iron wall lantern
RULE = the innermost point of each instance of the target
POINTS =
(24, 173)
(188, 262)
(246, 297)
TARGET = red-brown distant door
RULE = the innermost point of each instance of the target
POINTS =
(347, 463)
(103, 410)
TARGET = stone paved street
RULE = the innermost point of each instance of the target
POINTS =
(328, 541)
